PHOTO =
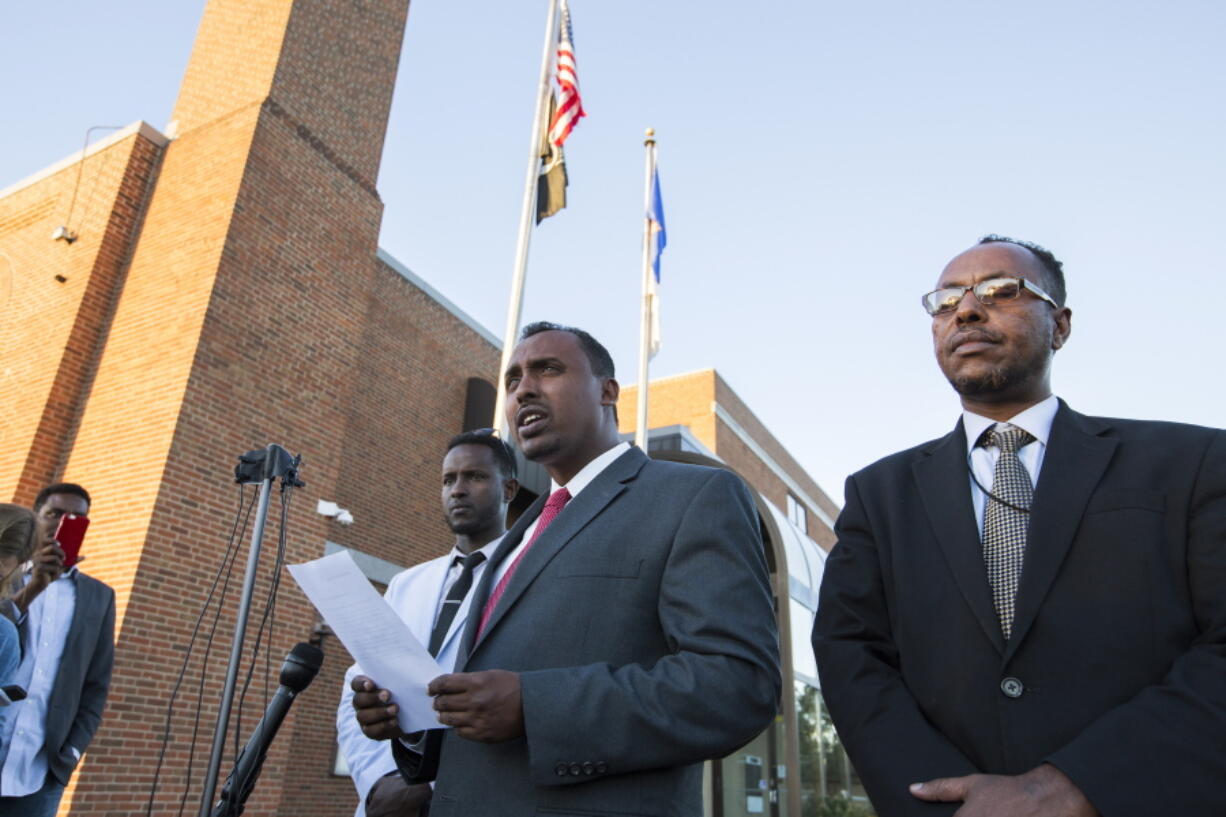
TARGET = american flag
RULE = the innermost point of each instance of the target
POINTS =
(570, 106)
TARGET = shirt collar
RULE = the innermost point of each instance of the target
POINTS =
(1036, 420)
(592, 470)
(488, 549)
(27, 570)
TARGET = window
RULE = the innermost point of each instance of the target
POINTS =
(828, 783)
(797, 515)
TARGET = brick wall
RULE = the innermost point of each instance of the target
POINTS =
(251, 308)
(690, 400)
(744, 416)
(51, 325)
(244, 320)
(681, 400)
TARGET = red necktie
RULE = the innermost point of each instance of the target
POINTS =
(553, 506)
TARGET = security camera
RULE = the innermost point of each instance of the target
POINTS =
(334, 511)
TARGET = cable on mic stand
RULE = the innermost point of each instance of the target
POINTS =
(265, 466)
(225, 568)
(267, 621)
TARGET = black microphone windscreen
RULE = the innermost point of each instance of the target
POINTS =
(301, 666)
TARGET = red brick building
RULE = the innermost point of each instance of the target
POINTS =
(220, 287)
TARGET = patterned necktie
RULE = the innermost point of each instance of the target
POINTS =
(455, 597)
(553, 506)
(1004, 527)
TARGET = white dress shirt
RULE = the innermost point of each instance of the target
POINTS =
(48, 620)
(369, 760)
(577, 483)
(1036, 420)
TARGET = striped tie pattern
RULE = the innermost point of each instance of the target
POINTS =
(1005, 522)
(553, 506)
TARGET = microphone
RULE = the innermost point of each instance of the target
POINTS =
(300, 668)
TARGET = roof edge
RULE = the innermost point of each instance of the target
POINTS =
(140, 127)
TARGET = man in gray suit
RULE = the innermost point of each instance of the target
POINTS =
(626, 630)
(68, 633)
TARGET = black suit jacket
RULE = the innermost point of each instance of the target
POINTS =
(642, 627)
(1116, 670)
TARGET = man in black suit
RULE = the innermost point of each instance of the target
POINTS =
(623, 632)
(1028, 615)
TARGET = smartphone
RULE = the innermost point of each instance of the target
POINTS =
(70, 534)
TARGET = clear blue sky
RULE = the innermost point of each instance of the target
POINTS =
(820, 163)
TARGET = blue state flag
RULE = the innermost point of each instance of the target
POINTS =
(655, 217)
(657, 240)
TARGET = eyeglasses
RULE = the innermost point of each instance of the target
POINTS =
(988, 293)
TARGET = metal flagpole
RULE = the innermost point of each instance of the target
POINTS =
(525, 217)
(640, 423)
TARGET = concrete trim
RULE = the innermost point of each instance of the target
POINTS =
(139, 126)
(681, 430)
(440, 298)
(681, 376)
(372, 567)
(722, 414)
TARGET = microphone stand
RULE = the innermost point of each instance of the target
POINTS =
(264, 466)
(299, 669)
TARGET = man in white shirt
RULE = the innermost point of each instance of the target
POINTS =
(1028, 615)
(478, 483)
(68, 636)
(624, 633)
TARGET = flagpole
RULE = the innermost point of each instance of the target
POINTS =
(515, 305)
(640, 423)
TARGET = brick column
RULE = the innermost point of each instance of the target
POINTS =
(239, 324)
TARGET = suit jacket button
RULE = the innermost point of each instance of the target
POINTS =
(589, 767)
(601, 767)
(561, 770)
(1012, 687)
(576, 769)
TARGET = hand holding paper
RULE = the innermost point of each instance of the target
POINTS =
(374, 635)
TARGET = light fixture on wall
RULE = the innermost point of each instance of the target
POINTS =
(334, 511)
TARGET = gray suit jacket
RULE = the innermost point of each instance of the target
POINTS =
(642, 626)
(75, 707)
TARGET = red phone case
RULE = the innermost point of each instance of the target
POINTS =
(70, 534)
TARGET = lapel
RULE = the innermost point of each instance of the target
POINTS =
(941, 477)
(484, 585)
(574, 517)
(1077, 456)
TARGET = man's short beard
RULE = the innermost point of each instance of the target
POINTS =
(467, 527)
(998, 380)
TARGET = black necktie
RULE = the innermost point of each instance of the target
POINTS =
(455, 597)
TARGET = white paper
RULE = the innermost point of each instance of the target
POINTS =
(374, 635)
